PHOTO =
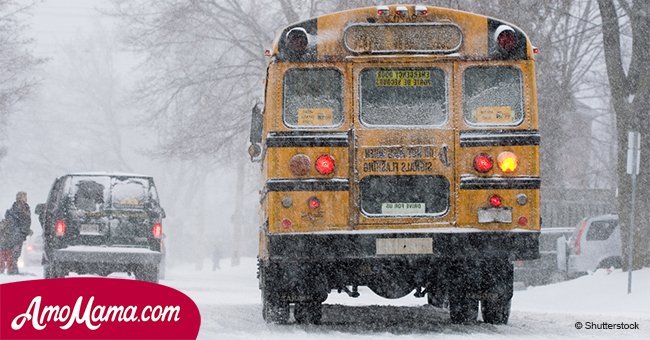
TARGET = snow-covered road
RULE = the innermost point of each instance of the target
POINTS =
(229, 301)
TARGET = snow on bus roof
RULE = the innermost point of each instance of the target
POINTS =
(108, 174)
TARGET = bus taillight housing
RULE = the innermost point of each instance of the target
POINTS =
(506, 38)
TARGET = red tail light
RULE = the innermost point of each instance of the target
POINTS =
(325, 164)
(495, 201)
(579, 236)
(299, 164)
(483, 163)
(157, 230)
(506, 38)
(297, 40)
(313, 203)
(59, 228)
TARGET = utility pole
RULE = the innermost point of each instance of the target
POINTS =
(633, 163)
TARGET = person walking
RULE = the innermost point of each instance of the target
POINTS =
(18, 221)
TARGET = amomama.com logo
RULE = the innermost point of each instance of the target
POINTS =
(92, 316)
(95, 307)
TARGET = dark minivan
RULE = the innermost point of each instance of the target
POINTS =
(100, 223)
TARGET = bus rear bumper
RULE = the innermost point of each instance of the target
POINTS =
(517, 245)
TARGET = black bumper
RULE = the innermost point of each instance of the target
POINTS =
(514, 245)
(107, 255)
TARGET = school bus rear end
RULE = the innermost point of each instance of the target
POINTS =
(400, 152)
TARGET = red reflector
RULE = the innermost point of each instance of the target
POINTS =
(59, 228)
(495, 201)
(325, 164)
(523, 221)
(157, 230)
(286, 223)
(483, 162)
(535, 50)
(314, 203)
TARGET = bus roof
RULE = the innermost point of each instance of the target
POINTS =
(401, 30)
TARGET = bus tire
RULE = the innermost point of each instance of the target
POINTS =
(274, 310)
(463, 301)
(497, 291)
(308, 312)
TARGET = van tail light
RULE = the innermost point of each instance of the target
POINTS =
(59, 228)
(325, 164)
(483, 163)
(157, 230)
(579, 236)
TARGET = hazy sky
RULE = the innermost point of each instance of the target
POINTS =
(56, 22)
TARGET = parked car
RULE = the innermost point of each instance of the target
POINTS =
(100, 223)
(595, 243)
(545, 269)
(33, 251)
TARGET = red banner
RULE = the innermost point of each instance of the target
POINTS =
(95, 307)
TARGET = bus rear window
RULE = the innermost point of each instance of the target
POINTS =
(492, 96)
(403, 97)
(313, 98)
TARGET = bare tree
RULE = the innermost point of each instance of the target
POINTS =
(16, 59)
(626, 23)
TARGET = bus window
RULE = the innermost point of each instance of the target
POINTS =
(492, 96)
(313, 98)
(404, 195)
(403, 97)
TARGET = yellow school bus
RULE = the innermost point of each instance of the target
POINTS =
(400, 151)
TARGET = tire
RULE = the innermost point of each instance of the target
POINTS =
(437, 299)
(497, 288)
(273, 310)
(462, 308)
(463, 292)
(308, 312)
(52, 270)
(148, 273)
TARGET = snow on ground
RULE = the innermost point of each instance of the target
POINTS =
(230, 305)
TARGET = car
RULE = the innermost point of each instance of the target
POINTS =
(595, 243)
(101, 223)
(32, 251)
(545, 269)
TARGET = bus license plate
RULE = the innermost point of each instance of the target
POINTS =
(399, 246)
(89, 229)
(403, 209)
(495, 215)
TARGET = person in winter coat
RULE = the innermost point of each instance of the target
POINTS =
(17, 220)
